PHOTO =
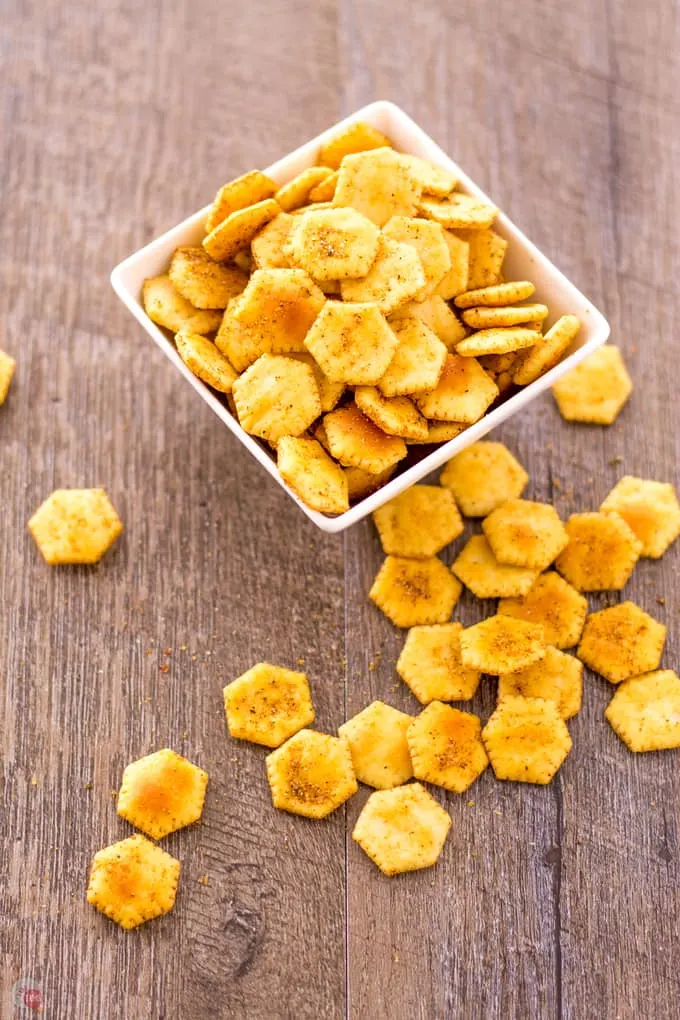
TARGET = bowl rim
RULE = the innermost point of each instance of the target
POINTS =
(377, 113)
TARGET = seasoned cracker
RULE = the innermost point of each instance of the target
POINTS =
(547, 351)
(334, 244)
(427, 238)
(161, 793)
(482, 477)
(268, 704)
(596, 390)
(650, 509)
(312, 474)
(525, 534)
(249, 189)
(552, 602)
(352, 342)
(75, 526)
(418, 361)
(431, 665)
(487, 318)
(419, 522)
(434, 180)
(241, 345)
(501, 644)
(526, 740)
(133, 881)
(440, 432)
(463, 393)
(329, 391)
(166, 307)
(455, 281)
(487, 251)
(268, 246)
(479, 570)
(446, 747)
(601, 554)
(236, 232)
(621, 642)
(458, 211)
(397, 416)
(402, 829)
(557, 677)
(206, 361)
(276, 397)
(356, 137)
(379, 184)
(296, 192)
(279, 305)
(202, 281)
(436, 314)
(362, 483)
(415, 592)
(324, 191)
(395, 277)
(311, 774)
(496, 296)
(7, 367)
(377, 743)
(645, 711)
(355, 441)
(497, 341)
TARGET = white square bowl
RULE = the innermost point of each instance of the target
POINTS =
(523, 261)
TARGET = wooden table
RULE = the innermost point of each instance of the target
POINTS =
(119, 119)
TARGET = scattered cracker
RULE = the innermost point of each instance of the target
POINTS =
(557, 677)
(268, 704)
(311, 774)
(402, 829)
(552, 602)
(446, 747)
(482, 477)
(596, 390)
(161, 793)
(377, 743)
(431, 665)
(621, 642)
(526, 740)
(133, 881)
(479, 570)
(601, 554)
(502, 644)
(419, 522)
(650, 509)
(525, 534)
(645, 711)
(75, 526)
(414, 592)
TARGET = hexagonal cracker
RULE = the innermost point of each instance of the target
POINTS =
(430, 664)
(279, 305)
(459, 212)
(525, 534)
(463, 393)
(355, 441)
(295, 192)
(75, 526)
(329, 391)
(268, 247)
(555, 605)
(276, 397)
(557, 677)
(352, 342)
(446, 747)
(133, 881)
(315, 477)
(402, 829)
(395, 277)
(419, 522)
(596, 390)
(397, 416)
(435, 180)
(650, 509)
(362, 483)
(502, 644)
(621, 642)
(377, 743)
(248, 189)
(334, 244)
(161, 793)
(601, 554)
(547, 351)
(206, 361)
(645, 711)
(356, 137)
(455, 281)
(202, 281)
(437, 315)
(268, 704)
(378, 184)
(166, 307)
(427, 238)
(479, 570)
(526, 740)
(418, 361)
(487, 251)
(412, 592)
(482, 477)
(239, 228)
(311, 774)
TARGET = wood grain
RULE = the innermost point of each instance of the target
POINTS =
(116, 122)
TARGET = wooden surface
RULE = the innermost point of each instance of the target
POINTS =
(117, 120)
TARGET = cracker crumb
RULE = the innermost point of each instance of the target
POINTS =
(164, 667)
(204, 880)
(660, 600)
